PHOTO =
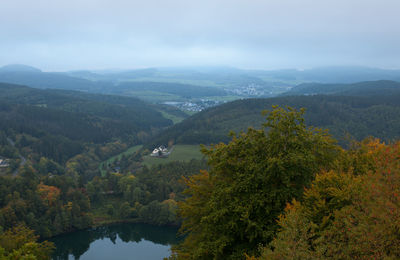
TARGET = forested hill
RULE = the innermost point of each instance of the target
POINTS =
(32, 77)
(360, 117)
(140, 113)
(184, 90)
(57, 124)
(368, 88)
(120, 84)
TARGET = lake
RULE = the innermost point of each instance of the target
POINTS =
(117, 242)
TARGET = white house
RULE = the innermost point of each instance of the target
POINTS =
(160, 151)
(4, 163)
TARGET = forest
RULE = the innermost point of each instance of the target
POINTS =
(292, 193)
(368, 88)
(278, 181)
(345, 116)
(60, 124)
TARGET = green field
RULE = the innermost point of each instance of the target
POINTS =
(203, 83)
(179, 153)
(129, 151)
(154, 96)
(175, 119)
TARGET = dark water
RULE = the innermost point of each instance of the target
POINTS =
(117, 242)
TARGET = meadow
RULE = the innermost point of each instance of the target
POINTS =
(181, 153)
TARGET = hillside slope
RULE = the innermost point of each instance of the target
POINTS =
(58, 124)
(130, 109)
(359, 117)
(367, 88)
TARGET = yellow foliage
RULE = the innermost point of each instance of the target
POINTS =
(49, 194)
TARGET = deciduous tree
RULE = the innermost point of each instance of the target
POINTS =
(233, 208)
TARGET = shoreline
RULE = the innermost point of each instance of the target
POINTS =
(108, 223)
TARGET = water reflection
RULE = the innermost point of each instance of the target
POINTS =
(140, 237)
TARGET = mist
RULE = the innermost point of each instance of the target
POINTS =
(269, 34)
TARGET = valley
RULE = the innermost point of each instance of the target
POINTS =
(81, 159)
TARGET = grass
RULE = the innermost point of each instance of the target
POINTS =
(175, 119)
(179, 153)
(226, 98)
(154, 96)
(129, 151)
(205, 83)
(190, 113)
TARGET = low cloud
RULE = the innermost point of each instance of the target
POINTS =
(270, 34)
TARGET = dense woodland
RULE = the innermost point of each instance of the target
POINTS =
(292, 193)
(52, 204)
(369, 88)
(55, 141)
(344, 116)
(62, 124)
(276, 186)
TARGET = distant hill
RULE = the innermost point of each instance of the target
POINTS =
(336, 74)
(59, 123)
(184, 90)
(109, 83)
(199, 76)
(369, 88)
(19, 68)
(349, 74)
(359, 117)
(140, 113)
(228, 76)
(158, 85)
(43, 80)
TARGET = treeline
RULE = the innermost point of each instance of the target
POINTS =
(346, 117)
(139, 114)
(48, 204)
(149, 195)
(288, 191)
(51, 199)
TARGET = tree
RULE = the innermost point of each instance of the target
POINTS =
(233, 208)
(127, 185)
(124, 210)
(21, 243)
(351, 215)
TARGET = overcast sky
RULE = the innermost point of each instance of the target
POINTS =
(57, 35)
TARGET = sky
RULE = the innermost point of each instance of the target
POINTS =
(60, 35)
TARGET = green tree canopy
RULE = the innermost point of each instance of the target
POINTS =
(233, 208)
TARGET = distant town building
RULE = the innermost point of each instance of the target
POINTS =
(161, 151)
(4, 163)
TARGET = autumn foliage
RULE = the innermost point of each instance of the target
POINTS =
(287, 192)
(346, 215)
(20, 242)
(49, 194)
